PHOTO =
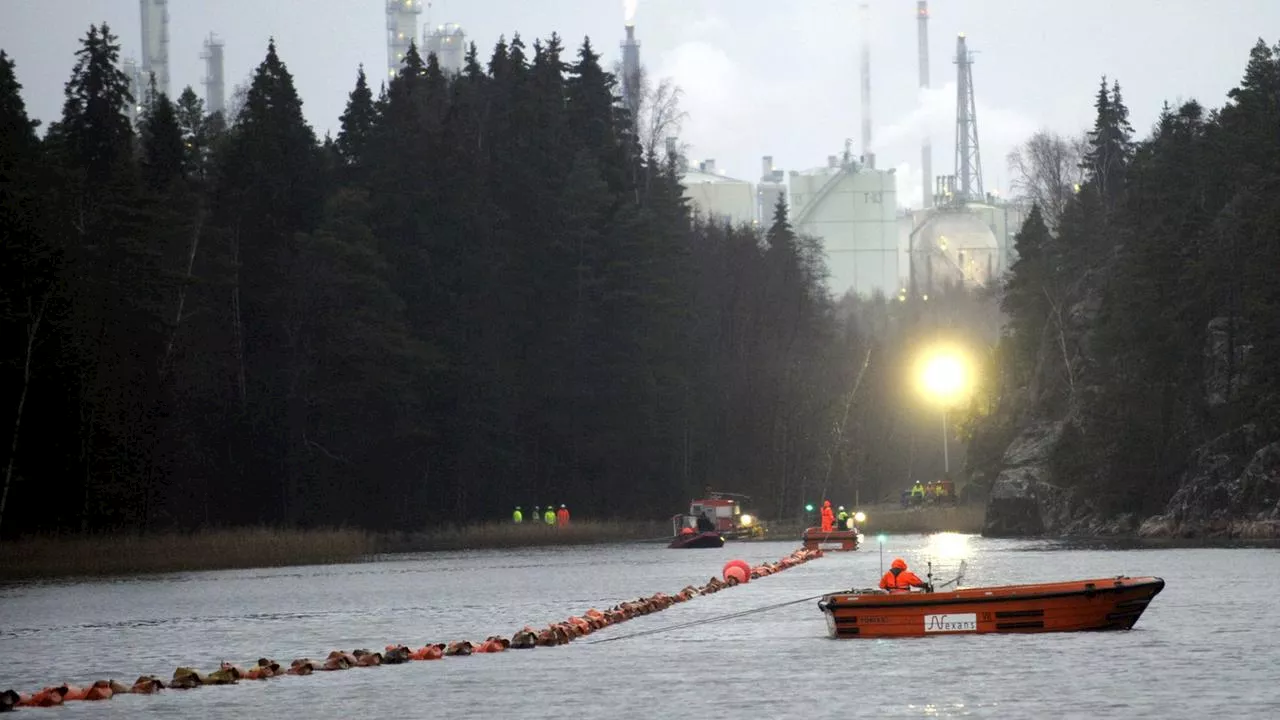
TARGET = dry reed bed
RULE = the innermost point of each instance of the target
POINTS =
(102, 555)
(527, 534)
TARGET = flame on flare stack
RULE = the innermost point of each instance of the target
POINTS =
(629, 11)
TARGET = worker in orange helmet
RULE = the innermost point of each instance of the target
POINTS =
(900, 579)
(828, 517)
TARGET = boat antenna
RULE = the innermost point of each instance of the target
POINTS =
(881, 538)
(958, 578)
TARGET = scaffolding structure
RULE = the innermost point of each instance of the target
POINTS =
(968, 154)
(402, 29)
(448, 43)
(215, 85)
(155, 45)
(137, 88)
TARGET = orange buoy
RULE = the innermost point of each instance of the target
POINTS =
(735, 575)
(746, 570)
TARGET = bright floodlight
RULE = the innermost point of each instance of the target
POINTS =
(859, 517)
(944, 376)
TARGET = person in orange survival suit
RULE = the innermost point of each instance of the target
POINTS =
(562, 516)
(828, 517)
(900, 579)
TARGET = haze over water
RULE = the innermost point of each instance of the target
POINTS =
(1206, 647)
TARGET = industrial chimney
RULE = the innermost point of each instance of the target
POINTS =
(926, 149)
(215, 92)
(631, 70)
(865, 13)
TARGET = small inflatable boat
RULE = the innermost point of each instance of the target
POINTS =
(694, 540)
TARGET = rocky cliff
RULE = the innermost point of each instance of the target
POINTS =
(1226, 491)
(1031, 460)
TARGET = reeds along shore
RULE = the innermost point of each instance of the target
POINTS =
(101, 555)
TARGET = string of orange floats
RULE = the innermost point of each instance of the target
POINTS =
(735, 572)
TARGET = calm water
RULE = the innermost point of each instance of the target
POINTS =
(1208, 646)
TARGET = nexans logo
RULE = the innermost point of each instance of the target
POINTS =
(951, 623)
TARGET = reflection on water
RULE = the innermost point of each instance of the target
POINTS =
(949, 547)
(1201, 647)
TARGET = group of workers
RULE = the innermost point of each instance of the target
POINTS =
(838, 519)
(550, 516)
(934, 492)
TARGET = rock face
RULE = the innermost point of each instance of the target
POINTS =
(1230, 486)
(1025, 484)
(1225, 357)
(1025, 498)
(1225, 493)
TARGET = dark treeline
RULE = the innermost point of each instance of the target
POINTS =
(1149, 318)
(480, 294)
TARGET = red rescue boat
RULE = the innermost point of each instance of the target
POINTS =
(1100, 604)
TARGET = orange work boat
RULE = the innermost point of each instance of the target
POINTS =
(815, 538)
(1103, 604)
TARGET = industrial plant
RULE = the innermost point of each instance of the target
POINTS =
(960, 234)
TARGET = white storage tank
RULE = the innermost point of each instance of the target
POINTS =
(717, 197)
(854, 211)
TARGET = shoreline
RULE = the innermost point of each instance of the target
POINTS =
(88, 556)
(56, 557)
(69, 557)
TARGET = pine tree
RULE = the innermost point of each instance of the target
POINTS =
(95, 131)
(589, 102)
(1110, 144)
(270, 189)
(357, 122)
(163, 152)
(200, 132)
(25, 273)
(1027, 292)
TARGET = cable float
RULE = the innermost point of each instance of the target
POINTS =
(734, 572)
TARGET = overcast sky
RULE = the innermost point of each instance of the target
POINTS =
(761, 77)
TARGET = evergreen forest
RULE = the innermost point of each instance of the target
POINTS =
(1143, 310)
(487, 291)
(481, 293)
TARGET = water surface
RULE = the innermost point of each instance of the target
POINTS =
(1207, 646)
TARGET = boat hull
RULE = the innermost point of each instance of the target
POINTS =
(815, 539)
(1101, 604)
(697, 541)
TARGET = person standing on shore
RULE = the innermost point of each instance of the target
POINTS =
(562, 516)
(549, 516)
(517, 517)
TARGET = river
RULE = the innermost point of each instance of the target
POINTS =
(1208, 646)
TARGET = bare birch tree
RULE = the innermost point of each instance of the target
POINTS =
(1047, 170)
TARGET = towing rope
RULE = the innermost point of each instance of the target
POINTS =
(527, 637)
(708, 621)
